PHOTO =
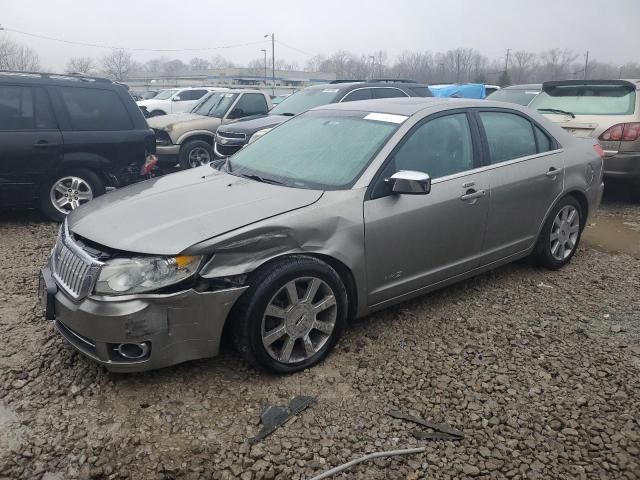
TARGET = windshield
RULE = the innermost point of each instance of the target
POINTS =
(521, 97)
(588, 99)
(325, 150)
(305, 100)
(165, 95)
(215, 105)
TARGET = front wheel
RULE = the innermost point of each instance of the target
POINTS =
(291, 316)
(195, 153)
(66, 191)
(560, 234)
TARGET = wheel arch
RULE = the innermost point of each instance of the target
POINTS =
(579, 196)
(196, 135)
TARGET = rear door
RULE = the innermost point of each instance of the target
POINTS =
(30, 143)
(527, 175)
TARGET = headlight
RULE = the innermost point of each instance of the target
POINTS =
(123, 276)
(258, 134)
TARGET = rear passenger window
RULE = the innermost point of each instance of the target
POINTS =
(360, 94)
(388, 93)
(187, 95)
(19, 110)
(92, 109)
(510, 136)
(544, 142)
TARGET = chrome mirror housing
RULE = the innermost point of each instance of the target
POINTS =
(410, 182)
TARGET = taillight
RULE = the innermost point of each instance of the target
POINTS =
(149, 164)
(625, 132)
(599, 150)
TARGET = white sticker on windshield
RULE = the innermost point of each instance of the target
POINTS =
(385, 117)
(331, 90)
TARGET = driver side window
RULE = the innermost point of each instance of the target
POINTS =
(440, 147)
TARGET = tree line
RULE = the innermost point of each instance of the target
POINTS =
(459, 65)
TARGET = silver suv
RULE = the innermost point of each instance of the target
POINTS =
(608, 110)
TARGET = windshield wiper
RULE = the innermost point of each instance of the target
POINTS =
(259, 178)
(555, 110)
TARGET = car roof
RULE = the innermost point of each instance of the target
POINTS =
(39, 78)
(524, 86)
(360, 84)
(411, 105)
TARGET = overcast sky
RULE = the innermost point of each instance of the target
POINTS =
(609, 30)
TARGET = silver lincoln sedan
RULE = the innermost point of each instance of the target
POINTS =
(339, 212)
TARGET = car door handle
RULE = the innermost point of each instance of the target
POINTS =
(44, 144)
(554, 171)
(472, 194)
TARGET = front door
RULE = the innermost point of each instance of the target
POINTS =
(413, 241)
(30, 143)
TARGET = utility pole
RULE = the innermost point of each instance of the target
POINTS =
(273, 61)
(586, 64)
(264, 50)
(506, 62)
(373, 66)
(620, 73)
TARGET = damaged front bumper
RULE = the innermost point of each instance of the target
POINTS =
(135, 333)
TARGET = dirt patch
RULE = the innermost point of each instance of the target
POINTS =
(613, 234)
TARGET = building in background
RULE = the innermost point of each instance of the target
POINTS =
(285, 81)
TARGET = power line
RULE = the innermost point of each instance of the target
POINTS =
(294, 48)
(112, 47)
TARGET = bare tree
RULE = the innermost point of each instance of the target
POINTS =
(218, 61)
(314, 64)
(79, 65)
(413, 65)
(173, 67)
(522, 64)
(555, 63)
(199, 64)
(118, 64)
(15, 56)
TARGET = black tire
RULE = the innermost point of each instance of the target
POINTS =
(156, 113)
(191, 146)
(89, 177)
(248, 313)
(543, 254)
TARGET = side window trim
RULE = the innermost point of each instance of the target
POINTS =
(404, 94)
(344, 99)
(477, 153)
(556, 147)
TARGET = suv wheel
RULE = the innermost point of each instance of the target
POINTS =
(560, 234)
(195, 153)
(291, 316)
(68, 190)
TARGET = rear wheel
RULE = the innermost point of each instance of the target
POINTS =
(291, 316)
(560, 235)
(66, 191)
(195, 153)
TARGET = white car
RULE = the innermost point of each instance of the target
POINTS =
(175, 100)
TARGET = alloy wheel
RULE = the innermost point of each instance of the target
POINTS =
(299, 320)
(68, 193)
(564, 232)
(198, 156)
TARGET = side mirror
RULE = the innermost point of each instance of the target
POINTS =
(409, 182)
(176, 98)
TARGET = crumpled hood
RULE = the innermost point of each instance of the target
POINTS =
(166, 215)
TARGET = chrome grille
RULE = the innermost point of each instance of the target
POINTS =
(232, 135)
(73, 269)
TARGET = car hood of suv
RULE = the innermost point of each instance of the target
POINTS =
(166, 215)
(250, 126)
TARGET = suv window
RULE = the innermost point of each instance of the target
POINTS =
(92, 109)
(251, 104)
(359, 94)
(509, 136)
(440, 147)
(187, 95)
(588, 99)
(18, 111)
(388, 92)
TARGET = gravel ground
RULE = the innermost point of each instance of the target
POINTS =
(540, 369)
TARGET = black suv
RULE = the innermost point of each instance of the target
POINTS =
(232, 137)
(64, 139)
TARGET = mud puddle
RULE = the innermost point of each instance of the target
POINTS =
(614, 235)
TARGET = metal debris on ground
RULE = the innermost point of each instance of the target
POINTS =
(273, 417)
(442, 431)
(389, 453)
